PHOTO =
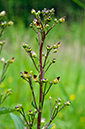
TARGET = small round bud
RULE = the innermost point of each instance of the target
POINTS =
(56, 80)
(29, 49)
(33, 11)
(42, 120)
(68, 103)
(59, 104)
(10, 23)
(12, 60)
(59, 99)
(56, 107)
(26, 75)
(2, 13)
(2, 60)
(25, 45)
(47, 25)
(55, 50)
(44, 80)
(31, 25)
(2, 42)
(62, 19)
(54, 60)
(17, 108)
(35, 78)
(48, 47)
(50, 98)
(33, 54)
(55, 20)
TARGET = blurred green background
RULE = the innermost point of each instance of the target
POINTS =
(70, 64)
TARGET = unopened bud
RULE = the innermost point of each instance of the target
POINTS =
(50, 98)
(12, 60)
(54, 60)
(68, 103)
(56, 80)
(33, 54)
(33, 11)
(2, 59)
(62, 19)
(35, 78)
(2, 42)
(10, 23)
(2, 13)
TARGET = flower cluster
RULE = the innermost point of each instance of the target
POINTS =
(41, 25)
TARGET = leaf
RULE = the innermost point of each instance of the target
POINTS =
(5, 110)
(19, 124)
(33, 104)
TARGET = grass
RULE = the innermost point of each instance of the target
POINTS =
(70, 65)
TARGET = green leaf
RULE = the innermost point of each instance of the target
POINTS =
(33, 104)
(5, 110)
(19, 124)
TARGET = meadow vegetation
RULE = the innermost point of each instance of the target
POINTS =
(70, 66)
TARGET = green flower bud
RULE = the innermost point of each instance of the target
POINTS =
(55, 50)
(25, 45)
(44, 80)
(3, 23)
(56, 107)
(47, 25)
(2, 42)
(56, 45)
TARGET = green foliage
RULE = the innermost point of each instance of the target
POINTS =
(5, 110)
(19, 124)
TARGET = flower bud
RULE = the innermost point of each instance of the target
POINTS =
(12, 60)
(2, 13)
(33, 11)
(48, 47)
(2, 60)
(56, 107)
(35, 78)
(55, 50)
(10, 23)
(2, 42)
(55, 20)
(47, 25)
(29, 49)
(50, 98)
(33, 54)
(17, 108)
(3, 23)
(59, 104)
(62, 19)
(44, 80)
(54, 60)
(25, 45)
(59, 99)
(42, 120)
(56, 45)
(56, 80)
(26, 75)
(31, 25)
(68, 103)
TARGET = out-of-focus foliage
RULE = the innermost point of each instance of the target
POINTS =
(20, 9)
